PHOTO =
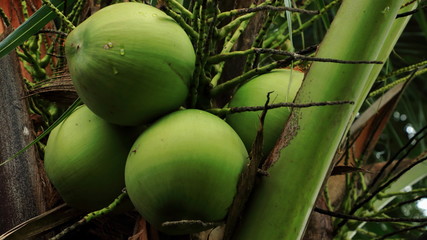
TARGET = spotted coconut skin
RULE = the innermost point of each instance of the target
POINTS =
(85, 159)
(130, 63)
(254, 93)
(185, 167)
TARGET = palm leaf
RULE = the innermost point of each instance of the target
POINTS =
(42, 223)
(31, 26)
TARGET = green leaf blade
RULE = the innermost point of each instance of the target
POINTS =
(31, 26)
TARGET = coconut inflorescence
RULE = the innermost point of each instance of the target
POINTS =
(131, 65)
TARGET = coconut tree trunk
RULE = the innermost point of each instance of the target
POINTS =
(21, 181)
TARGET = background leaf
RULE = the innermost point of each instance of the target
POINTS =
(33, 24)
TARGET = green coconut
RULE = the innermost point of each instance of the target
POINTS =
(184, 169)
(284, 84)
(130, 63)
(85, 160)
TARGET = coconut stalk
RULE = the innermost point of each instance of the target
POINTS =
(415, 174)
(418, 172)
(396, 30)
(281, 203)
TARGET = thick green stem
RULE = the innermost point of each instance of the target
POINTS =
(227, 29)
(236, 12)
(224, 56)
(93, 215)
(180, 8)
(386, 48)
(228, 46)
(187, 28)
(248, 75)
(59, 13)
(74, 15)
(281, 203)
(201, 59)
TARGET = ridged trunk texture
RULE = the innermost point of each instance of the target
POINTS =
(21, 185)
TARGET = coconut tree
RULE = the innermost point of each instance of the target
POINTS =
(324, 175)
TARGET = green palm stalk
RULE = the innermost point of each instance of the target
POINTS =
(281, 203)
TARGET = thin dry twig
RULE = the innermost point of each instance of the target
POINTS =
(405, 147)
(247, 178)
(191, 222)
(60, 33)
(285, 104)
(316, 59)
(381, 188)
(242, 11)
(410, 12)
(367, 219)
(401, 231)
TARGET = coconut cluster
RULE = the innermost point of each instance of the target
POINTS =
(132, 65)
